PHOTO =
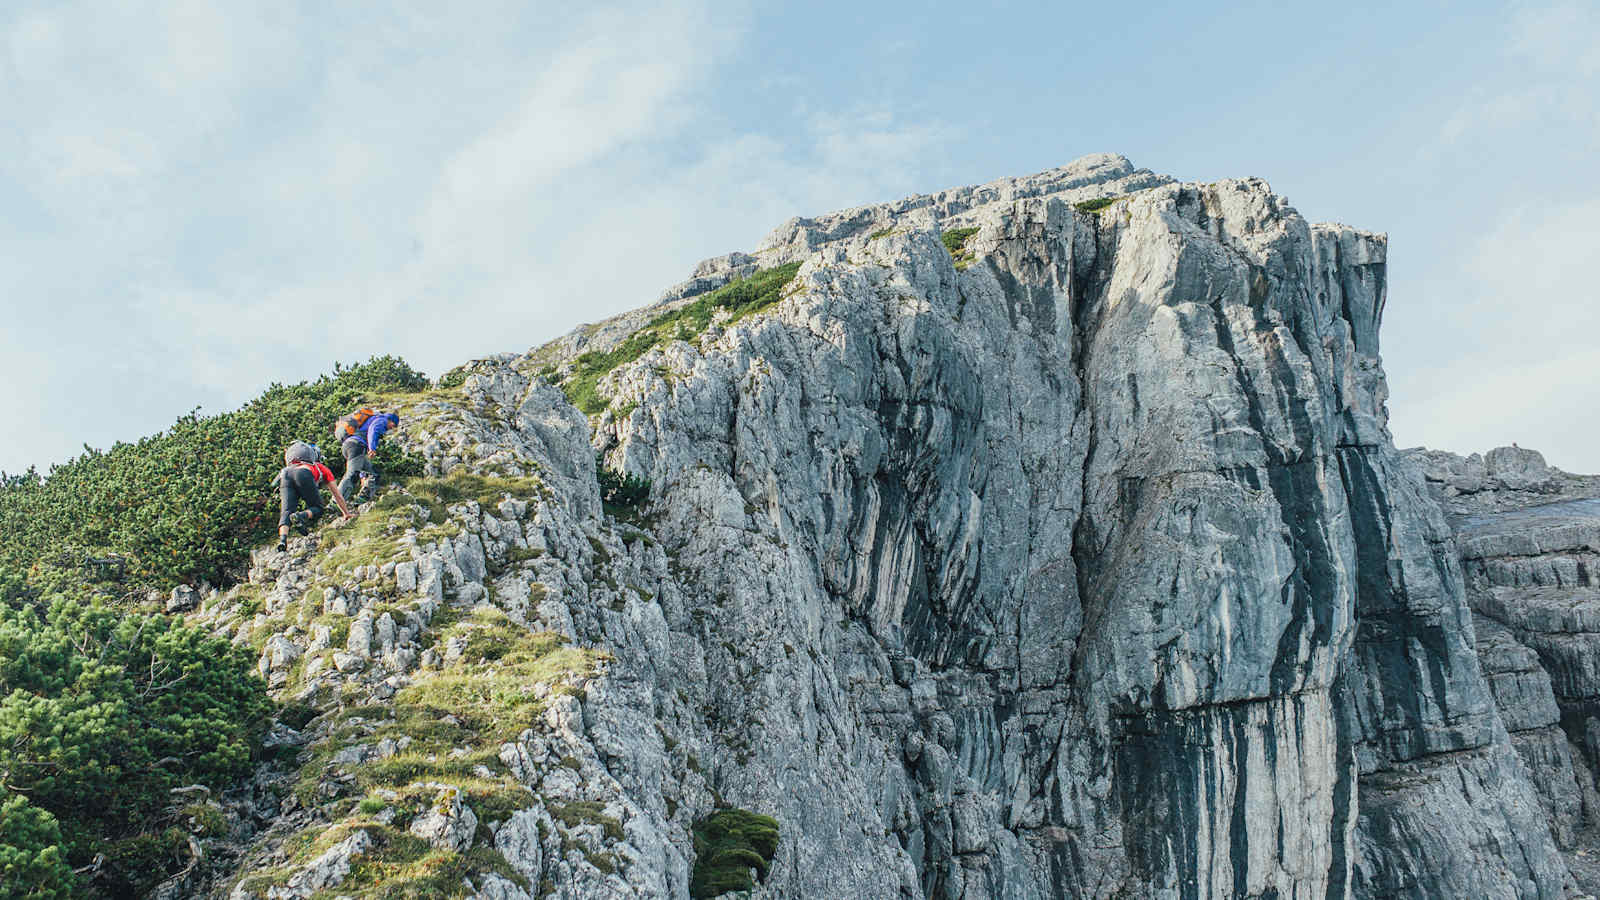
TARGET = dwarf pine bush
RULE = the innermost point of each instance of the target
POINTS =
(728, 845)
(186, 504)
(102, 714)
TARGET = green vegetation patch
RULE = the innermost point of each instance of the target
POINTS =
(453, 379)
(489, 689)
(728, 844)
(401, 865)
(102, 714)
(460, 486)
(1095, 205)
(686, 323)
(880, 233)
(373, 536)
(955, 241)
(587, 812)
(32, 861)
(620, 491)
(191, 502)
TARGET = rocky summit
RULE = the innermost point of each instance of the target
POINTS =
(1043, 538)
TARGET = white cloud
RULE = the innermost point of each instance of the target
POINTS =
(224, 199)
(1553, 398)
(1559, 37)
(1524, 308)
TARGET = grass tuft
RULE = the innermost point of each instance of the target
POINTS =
(741, 298)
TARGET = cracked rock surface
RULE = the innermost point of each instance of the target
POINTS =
(1086, 569)
(1529, 537)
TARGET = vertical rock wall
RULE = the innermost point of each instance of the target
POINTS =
(1529, 538)
(1114, 515)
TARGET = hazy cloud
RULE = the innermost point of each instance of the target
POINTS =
(1510, 311)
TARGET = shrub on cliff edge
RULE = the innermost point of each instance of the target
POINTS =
(189, 503)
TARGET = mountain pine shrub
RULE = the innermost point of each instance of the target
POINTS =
(1095, 205)
(619, 491)
(187, 504)
(32, 861)
(102, 714)
(728, 845)
(955, 241)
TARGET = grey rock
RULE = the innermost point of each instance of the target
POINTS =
(519, 841)
(328, 870)
(278, 654)
(183, 599)
(359, 642)
(348, 662)
(383, 634)
(494, 887)
(449, 823)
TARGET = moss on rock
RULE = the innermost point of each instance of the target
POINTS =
(728, 845)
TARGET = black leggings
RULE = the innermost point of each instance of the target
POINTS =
(297, 484)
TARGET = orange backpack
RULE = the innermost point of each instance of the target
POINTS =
(351, 425)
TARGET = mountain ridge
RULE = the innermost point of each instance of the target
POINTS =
(1039, 538)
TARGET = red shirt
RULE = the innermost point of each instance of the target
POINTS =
(319, 472)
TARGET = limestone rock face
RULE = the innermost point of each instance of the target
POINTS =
(1119, 502)
(1082, 568)
(1529, 537)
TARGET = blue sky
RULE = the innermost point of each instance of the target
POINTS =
(200, 198)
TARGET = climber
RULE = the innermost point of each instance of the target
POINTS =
(358, 434)
(297, 482)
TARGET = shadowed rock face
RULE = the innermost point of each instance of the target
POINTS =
(1084, 570)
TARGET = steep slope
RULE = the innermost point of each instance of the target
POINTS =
(1023, 545)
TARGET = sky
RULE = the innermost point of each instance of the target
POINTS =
(198, 199)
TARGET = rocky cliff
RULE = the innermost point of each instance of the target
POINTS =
(1042, 539)
(1529, 537)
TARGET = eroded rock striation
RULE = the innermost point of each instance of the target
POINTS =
(1529, 537)
(1076, 563)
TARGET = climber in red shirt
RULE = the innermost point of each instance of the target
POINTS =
(297, 483)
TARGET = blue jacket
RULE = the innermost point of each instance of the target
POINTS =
(376, 426)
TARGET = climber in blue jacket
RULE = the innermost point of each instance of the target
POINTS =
(361, 432)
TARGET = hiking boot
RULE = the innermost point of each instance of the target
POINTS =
(301, 521)
(283, 544)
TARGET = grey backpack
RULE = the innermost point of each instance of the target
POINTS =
(300, 451)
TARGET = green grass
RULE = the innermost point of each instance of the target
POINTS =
(371, 537)
(742, 298)
(587, 812)
(488, 690)
(435, 494)
(727, 845)
(1095, 205)
(955, 241)
(880, 233)
(403, 866)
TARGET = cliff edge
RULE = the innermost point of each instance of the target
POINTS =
(1037, 539)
